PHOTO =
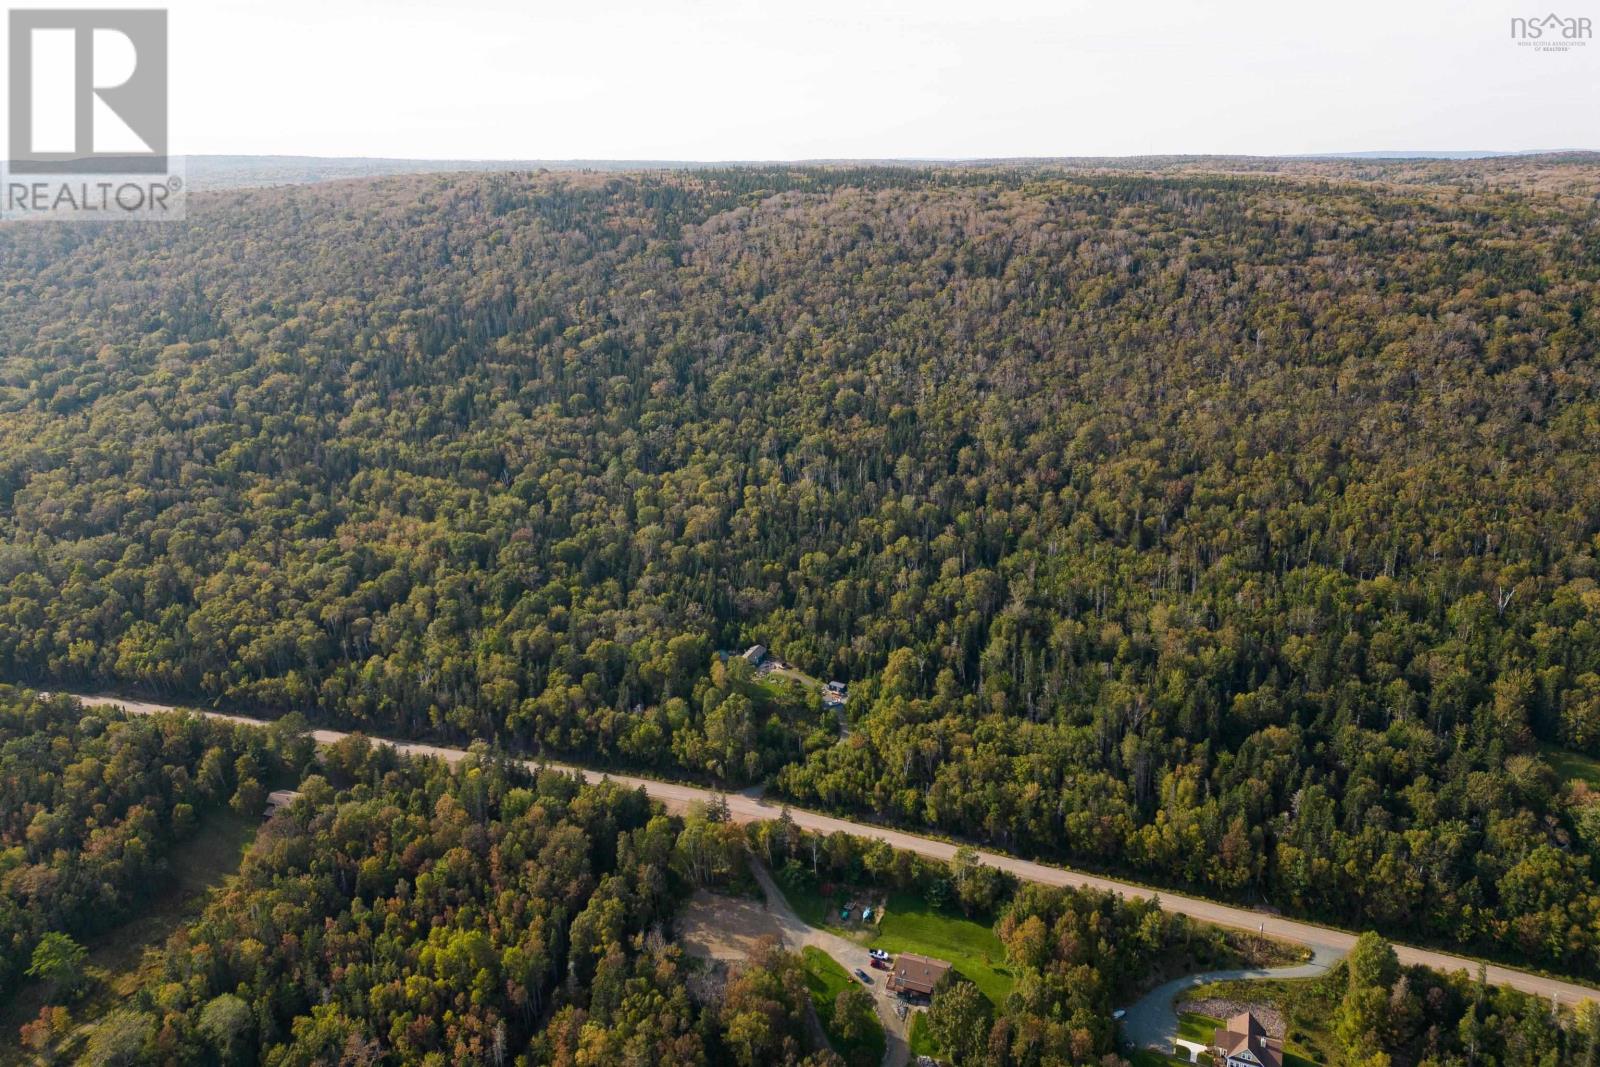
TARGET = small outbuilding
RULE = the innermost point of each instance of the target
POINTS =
(279, 798)
(755, 654)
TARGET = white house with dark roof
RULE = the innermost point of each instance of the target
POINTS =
(1244, 1043)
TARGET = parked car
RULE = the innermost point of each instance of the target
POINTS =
(878, 954)
(864, 976)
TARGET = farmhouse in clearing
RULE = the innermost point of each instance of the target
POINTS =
(755, 654)
(915, 977)
(1244, 1043)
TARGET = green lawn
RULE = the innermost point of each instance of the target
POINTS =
(1195, 1027)
(826, 980)
(1572, 766)
(921, 1039)
(795, 674)
(909, 924)
(1145, 1057)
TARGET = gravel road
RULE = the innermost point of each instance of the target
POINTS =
(750, 807)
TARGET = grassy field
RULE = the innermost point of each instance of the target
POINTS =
(1196, 1027)
(826, 980)
(114, 957)
(197, 865)
(1572, 766)
(909, 924)
(1145, 1057)
(921, 1040)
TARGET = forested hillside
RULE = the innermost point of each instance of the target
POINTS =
(1238, 532)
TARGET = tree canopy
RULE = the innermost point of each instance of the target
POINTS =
(89, 805)
(1236, 531)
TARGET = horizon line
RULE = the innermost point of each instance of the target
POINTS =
(1464, 154)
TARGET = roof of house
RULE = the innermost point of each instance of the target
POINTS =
(916, 974)
(279, 798)
(755, 652)
(1244, 1036)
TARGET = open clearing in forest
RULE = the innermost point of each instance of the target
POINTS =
(1573, 766)
(196, 867)
(907, 923)
(713, 926)
(716, 927)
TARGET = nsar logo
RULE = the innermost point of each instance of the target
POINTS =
(1552, 33)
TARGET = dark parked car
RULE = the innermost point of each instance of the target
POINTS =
(864, 976)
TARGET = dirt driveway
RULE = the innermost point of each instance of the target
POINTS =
(797, 934)
(726, 929)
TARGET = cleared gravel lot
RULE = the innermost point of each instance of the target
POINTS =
(722, 928)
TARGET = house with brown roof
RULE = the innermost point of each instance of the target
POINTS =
(914, 976)
(1244, 1043)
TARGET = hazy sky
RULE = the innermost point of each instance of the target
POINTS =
(749, 79)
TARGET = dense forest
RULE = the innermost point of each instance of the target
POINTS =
(422, 915)
(402, 911)
(89, 805)
(1238, 532)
